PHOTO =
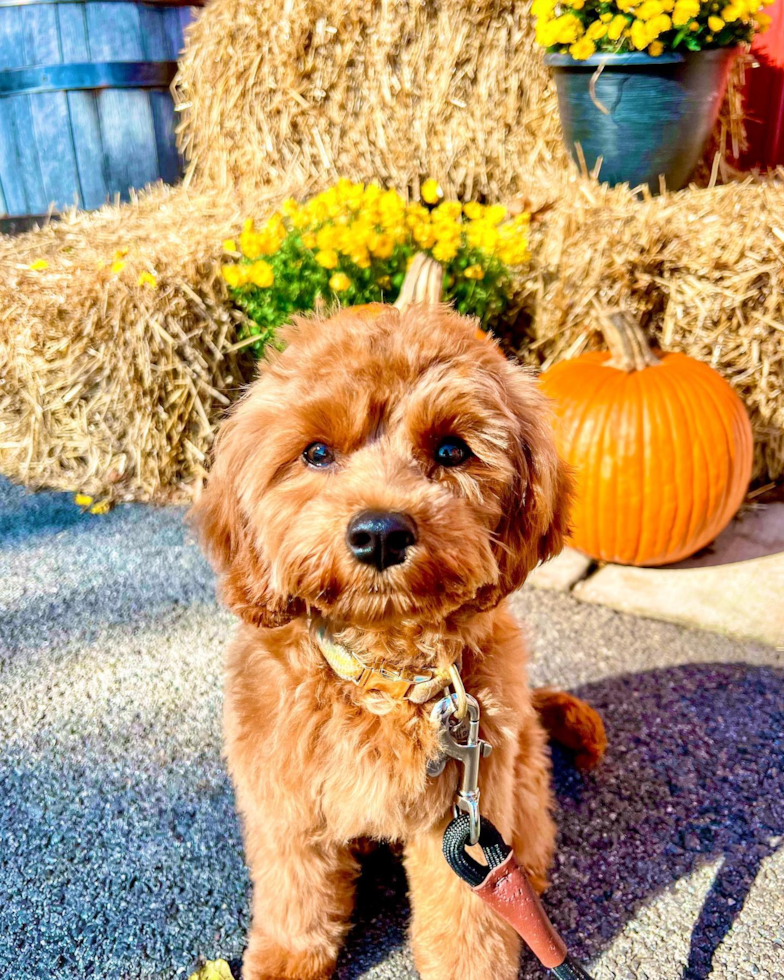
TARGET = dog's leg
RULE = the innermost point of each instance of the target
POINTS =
(453, 934)
(533, 828)
(303, 896)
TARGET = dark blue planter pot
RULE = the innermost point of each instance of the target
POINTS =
(660, 112)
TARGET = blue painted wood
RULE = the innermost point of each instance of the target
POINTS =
(126, 117)
(11, 180)
(60, 145)
(660, 112)
(160, 46)
(168, 3)
(51, 121)
(83, 108)
(17, 150)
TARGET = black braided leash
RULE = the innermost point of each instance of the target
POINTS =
(496, 851)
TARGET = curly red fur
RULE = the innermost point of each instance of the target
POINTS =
(318, 763)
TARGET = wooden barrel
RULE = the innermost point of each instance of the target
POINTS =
(85, 107)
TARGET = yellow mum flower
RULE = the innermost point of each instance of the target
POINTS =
(474, 272)
(117, 266)
(327, 237)
(234, 275)
(513, 252)
(683, 12)
(649, 9)
(617, 27)
(102, 507)
(606, 17)
(626, 5)
(39, 265)
(361, 258)
(596, 31)
(547, 33)
(640, 38)
(120, 253)
(655, 49)
(763, 22)
(82, 499)
(148, 279)
(445, 251)
(424, 235)
(694, 25)
(715, 23)
(260, 274)
(495, 214)
(383, 246)
(658, 25)
(569, 28)
(576, 4)
(327, 257)
(667, 6)
(431, 191)
(229, 245)
(582, 49)
(543, 8)
(309, 239)
(339, 282)
(448, 210)
(731, 13)
(473, 210)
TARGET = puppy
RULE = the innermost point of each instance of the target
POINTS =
(387, 481)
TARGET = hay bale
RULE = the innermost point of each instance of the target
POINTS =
(116, 389)
(111, 386)
(308, 91)
(702, 269)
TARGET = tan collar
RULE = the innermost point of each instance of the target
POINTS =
(418, 686)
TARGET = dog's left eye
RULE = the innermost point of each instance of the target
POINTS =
(318, 454)
(452, 451)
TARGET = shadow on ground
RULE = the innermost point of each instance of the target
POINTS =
(693, 773)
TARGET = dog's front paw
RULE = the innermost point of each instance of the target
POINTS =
(265, 959)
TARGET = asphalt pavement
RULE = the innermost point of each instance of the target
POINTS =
(120, 855)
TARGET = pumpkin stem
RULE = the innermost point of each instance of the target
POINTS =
(422, 283)
(627, 343)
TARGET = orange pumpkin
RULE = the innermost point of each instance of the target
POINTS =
(661, 448)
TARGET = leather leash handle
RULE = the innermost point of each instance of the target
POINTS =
(505, 888)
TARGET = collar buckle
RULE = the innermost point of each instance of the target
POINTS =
(396, 683)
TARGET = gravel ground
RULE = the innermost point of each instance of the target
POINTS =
(119, 848)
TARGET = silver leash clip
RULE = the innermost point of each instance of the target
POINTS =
(467, 753)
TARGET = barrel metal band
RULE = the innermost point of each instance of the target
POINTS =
(87, 75)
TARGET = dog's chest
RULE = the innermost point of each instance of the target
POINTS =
(372, 778)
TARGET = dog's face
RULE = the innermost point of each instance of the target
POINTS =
(385, 467)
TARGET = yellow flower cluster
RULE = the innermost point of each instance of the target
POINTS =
(363, 222)
(581, 27)
(256, 274)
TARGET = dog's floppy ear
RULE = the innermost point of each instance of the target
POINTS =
(246, 581)
(535, 519)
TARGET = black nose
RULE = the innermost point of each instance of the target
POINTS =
(379, 538)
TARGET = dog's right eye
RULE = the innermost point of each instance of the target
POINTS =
(318, 454)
